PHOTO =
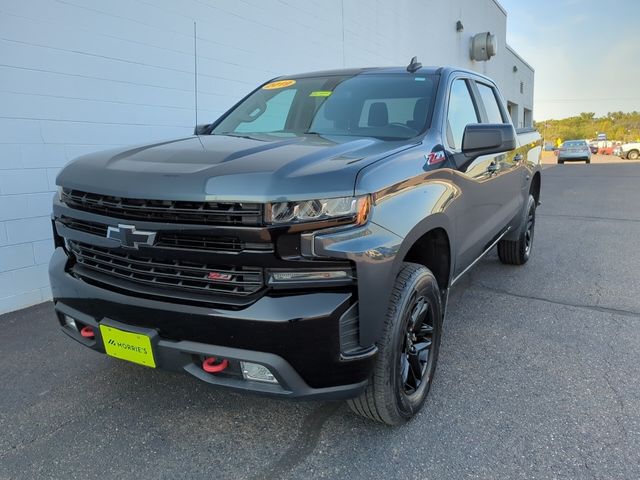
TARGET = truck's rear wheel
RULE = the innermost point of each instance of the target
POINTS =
(633, 155)
(408, 350)
(517, 252)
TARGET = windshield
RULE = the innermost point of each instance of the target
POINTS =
(575, 144)
(387, 106)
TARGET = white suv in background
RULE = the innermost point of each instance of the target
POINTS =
(628, 150)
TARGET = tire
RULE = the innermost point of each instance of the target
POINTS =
(517, 252)
(414, 318)
(560, 162)
(588, 160)
(633, 155)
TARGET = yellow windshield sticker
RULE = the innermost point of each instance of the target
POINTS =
(320, 93)
(279, 84)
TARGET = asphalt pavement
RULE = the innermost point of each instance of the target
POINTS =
(539, 377)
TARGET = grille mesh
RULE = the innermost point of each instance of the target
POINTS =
(166, 211)
(182, 240)
(176, 274)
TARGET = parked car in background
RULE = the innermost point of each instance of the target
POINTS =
(574, 151)
(630, 151)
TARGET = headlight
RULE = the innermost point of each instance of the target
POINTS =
(355, 209)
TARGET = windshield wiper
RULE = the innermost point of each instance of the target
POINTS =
(232, 134)
(311, 132)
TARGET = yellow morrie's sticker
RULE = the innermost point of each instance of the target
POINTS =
(134, 347)
(321, 93)
(279, 84)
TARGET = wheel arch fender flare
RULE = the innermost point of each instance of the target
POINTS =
(379, 255)
(378, 284)
(436, 221)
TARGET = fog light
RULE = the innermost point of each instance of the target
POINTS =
(257, 372)
(310, 276)
(70, 322)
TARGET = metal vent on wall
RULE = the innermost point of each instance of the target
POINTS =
(483, 46)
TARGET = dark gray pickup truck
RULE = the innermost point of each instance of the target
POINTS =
(304, 244)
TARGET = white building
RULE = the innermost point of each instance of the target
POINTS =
(84, 75)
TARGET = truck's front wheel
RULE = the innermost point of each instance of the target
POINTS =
(408, 350)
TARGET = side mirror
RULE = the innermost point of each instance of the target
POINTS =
(487, 138)
(202, 129)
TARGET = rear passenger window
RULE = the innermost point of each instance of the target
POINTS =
(461, 113)
(494, 115)
(399, 110)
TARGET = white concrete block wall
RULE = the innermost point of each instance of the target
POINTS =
(511, 85)
(83, 75)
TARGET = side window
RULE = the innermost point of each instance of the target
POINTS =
(274, 116)
(490, 101)
(461, 113)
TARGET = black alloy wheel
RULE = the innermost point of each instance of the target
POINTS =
(416, 363)
(516, 250)
(530, 229)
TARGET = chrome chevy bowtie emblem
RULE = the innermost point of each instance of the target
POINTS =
(130, 237)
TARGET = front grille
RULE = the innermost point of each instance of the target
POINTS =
(183, 241)
(84, 226)
(166, 211)
(176, 274)
(200, 242)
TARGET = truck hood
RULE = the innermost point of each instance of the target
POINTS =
(225, 168)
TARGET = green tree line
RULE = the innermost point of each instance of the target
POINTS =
(619, 126)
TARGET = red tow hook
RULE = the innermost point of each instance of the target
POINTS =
(210, 366)
(87, 332)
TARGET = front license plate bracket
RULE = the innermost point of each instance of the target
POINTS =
(123, 343)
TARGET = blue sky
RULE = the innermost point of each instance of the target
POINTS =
(586, 53)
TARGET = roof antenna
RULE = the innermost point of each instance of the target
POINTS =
(414, 65)
(195, 69)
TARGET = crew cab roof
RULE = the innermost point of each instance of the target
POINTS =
(428, 70)
(359, 71)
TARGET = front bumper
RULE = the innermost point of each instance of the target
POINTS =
(298, 336)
